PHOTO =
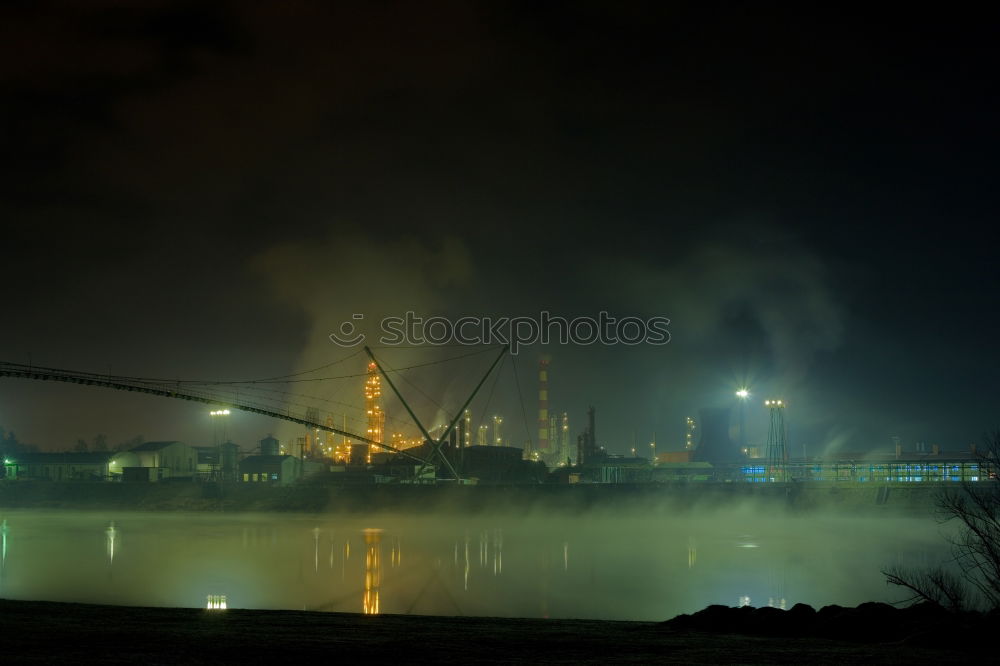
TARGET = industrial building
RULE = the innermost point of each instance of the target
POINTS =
(218, 462)
(151, 461)
(709, 454)
(280, 470)
(501, 465)
(75, 466)
(274, 467)
(715, 444)
(169, 459)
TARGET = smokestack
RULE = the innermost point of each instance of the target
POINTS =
(564, 439)
(543, 406)
(587, 443)
(592, 429)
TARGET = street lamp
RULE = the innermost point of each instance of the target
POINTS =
(215, 436)
(219, 412)
(743, 394)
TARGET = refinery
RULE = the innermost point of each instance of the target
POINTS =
(472, 449)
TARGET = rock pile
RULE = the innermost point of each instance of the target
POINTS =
(922, 624)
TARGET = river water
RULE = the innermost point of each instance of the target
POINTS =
(596, 565)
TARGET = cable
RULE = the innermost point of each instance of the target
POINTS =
(203, 390)
(354, 407)
(322, 367)
(418, 389)
(296, 381)
(524, 414)
(493, 387)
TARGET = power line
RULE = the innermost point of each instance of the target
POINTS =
(314, 379)
(322, 367)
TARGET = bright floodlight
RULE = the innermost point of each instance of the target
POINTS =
(743, 394)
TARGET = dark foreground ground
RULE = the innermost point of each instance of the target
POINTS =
(42, 632)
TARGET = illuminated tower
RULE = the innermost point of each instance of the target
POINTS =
(543, 408)
(373, 407)
(777, 442)
(689, 428)
(497, 433)
(467, 417)
(481, 435)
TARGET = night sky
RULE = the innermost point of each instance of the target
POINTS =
(205, 190)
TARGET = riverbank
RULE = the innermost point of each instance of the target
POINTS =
(43, 632)
(912, 499)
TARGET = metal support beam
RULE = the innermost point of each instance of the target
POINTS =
(436, 444)
(18, 371)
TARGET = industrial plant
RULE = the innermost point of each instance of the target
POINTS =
(715, 448)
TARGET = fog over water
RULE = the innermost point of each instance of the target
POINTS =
(608, 565)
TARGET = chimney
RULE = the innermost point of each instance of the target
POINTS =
(592, 428)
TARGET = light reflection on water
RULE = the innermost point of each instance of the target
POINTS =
(591, 566)
(373, 571)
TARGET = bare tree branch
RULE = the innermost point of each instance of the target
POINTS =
(975, 549)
